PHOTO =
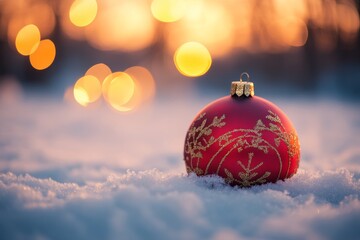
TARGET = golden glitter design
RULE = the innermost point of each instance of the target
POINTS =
(248, 174)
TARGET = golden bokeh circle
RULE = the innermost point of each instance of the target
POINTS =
(120, 91)
(192, 59)
(87, 89)
(27, 39)
(83, 12)
(44, 55)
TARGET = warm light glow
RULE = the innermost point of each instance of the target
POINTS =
(289, 27)
(293, 32)
(106, 83)
(291, 8)
(24, 13)
(87, 89)
(44, 55)
(242, 29)
(208, 22)
(348, 18)
(83, 12)
(192, 59)
(122, 25)
(224, 27)
(125, 91)
(65, 23)
(71, 30)
(27, 39)
(168, 10)
(81, 96)
(43, 16)
(120, 91)
(144, 86)
(100, 71)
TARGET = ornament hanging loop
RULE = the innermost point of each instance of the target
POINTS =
(244, 77)
(242, 87)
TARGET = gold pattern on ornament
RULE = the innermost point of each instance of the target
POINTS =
(247, 175)
(198, 141)
(194, 145)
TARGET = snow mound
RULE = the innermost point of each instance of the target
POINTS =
(155, 205)
(63, 175)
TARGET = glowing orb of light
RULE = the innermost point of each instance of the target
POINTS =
(106, 83)
(44, 55)
(122, 25)
(144, 86)
(22, 13)
(120, 90)
(168, 10)
(87, 89)
(292, 31)
(83, 12)
(100, 71)
(27, 39)
(192, 59)
(211, 23)
(348, 18)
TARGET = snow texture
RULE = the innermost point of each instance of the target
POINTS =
(72, 173)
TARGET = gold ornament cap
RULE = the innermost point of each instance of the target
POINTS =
(242, 87)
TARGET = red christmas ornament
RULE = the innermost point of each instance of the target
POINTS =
(245, 139)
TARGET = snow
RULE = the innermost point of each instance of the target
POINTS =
(68, 172)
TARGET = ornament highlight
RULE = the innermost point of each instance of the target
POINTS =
(242, 138)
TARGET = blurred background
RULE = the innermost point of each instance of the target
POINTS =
(96, 93)
(128, 52)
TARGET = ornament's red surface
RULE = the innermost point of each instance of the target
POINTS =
(245, 140)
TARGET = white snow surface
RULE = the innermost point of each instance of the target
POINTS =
(68, 172)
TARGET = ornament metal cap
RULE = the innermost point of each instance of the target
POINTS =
(242, 88)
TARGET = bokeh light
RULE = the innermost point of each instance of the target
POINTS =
(20, 13)
(27, 39)
(144, 86)
(83, 12)
(100, 71)
(348, 21)
(208, 22)
(126, 91)
(81, 96)
(168, 10)
(292, 31)
(106, 83)
(192, 59)
(228, 32)
(130, 25)
(44, 55)
(120, 90)
(122, 25)
(87, 89)
(67, 27)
